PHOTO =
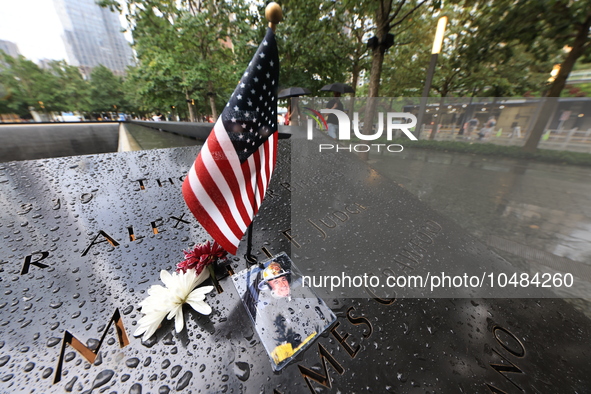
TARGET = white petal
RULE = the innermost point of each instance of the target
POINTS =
(173, 312)
(166, 278)
(157, 290)
(199, 293)
(140, 331)
(202, 276)
(200, 306)
(149, 324)
(149, 332)
(189, 282)
(195, 296)
(191, 272)
(179, 321)
(151, 318)
(157, 302)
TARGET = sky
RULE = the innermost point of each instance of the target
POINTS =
(35, 28)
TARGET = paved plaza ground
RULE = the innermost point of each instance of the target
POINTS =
(531, 213)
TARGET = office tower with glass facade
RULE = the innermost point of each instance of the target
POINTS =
(92, 36)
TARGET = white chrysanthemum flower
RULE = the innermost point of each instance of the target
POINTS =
(168, 301)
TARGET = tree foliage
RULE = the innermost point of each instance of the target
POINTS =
(544, 28)
(185, 52)
(505, 70)
(106, 93)
(73, 91)
(60, 87)
(311, 45)
(27, 86)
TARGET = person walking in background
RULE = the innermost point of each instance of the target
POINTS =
(488, 128)
(515, 130)
(287, 117)
(472, 125)
(332, 120)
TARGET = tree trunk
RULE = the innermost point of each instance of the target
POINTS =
(376, 71)
(214, 113)
(355, 79)
(377, 61)
(550, 103)
(190, 106)
(211, 94)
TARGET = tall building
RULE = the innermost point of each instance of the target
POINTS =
(9, 47)
(93, 36)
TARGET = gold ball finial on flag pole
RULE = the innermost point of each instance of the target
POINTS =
(274, 14)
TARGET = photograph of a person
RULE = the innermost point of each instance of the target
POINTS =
(286, 315)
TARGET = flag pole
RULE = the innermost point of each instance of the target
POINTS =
(274, 15)
(250, 258)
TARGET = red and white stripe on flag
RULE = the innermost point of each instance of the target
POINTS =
(224, 194)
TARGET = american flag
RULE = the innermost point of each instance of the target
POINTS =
(227, 182)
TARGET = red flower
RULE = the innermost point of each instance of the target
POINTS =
(201, 256)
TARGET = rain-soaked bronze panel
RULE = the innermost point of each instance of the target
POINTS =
(84, 237)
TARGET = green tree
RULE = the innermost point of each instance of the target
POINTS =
(356, 29)
(505, 70)
(73, 92)
(405, 63)
(389, 18)
(312, 44)
(185, 53)
(106, 93)
(471, 62)
(544, 28)
(28, 87)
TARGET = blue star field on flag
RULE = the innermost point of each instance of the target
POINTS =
(251, 113)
